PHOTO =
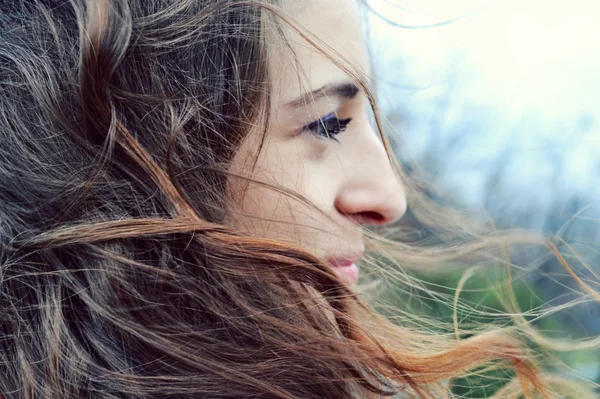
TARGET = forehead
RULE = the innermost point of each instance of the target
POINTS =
(300, 68)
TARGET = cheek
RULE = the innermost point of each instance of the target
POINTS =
(257, 198)
(261, 211)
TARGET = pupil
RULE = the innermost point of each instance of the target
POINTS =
(330, 127)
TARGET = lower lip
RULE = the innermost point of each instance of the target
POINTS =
(347, 273)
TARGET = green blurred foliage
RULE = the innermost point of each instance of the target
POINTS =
(483, 303)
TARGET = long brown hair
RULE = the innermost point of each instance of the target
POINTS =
(120, 277)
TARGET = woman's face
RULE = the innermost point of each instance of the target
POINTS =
(321, 146)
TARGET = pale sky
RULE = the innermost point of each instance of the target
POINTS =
(522, 75)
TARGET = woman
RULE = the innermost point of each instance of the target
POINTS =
(186, 187)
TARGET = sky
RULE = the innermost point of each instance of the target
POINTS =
(511, 86)
(517, 81)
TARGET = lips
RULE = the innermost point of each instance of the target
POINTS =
(345, 266)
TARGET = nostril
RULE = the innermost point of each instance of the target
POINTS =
(368, 217)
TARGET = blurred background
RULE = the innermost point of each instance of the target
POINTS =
(498, 102)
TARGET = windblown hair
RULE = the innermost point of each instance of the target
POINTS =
(119, 276)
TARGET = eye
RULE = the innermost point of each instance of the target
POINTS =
(328, 126)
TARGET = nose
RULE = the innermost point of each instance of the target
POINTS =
(373, 194)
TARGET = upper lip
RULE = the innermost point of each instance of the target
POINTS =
(346, 259)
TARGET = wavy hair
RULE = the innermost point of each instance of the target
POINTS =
(119, 275)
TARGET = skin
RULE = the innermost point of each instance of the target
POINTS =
(350, 181)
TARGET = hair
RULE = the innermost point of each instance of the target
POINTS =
(119, 274)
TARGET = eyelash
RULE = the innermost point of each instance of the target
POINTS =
(328, 126)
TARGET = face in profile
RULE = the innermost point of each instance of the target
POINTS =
(320, 144)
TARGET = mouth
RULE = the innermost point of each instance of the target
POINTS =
(345, 266)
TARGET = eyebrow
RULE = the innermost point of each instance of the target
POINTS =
(343, 90)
